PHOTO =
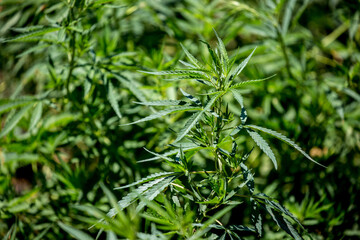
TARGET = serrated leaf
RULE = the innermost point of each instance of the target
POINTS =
(164, 103)
(192, 98)
(192, 59)
(11, 123)
(147, 179)
(242, 65)
(263, 145)
(31, 35)
(36, 115)
(241, 84)
(223, 52)
(215, 58)
(195, 118)
(80, 235)
(164, 113)
(132, 196)
(111, 95)
(237, 95)
(284, 139)
(183, 74)
(282, 209)
(283, 223)
(153, 192)
(169, 153)
(15, 104)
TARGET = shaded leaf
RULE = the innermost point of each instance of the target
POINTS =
(111, 95)
(11, 123)
(36, 115)
(147, 179)
(284, 139)
(164, 113)
(80, 235)
(263, 145)
(284, 224)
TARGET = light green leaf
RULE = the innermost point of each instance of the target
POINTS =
(242, 65)
(31, 36)
(192, 59)
(153, 192)
(223, 52)
(147, 179)
(11, 123)
(165, 112)
(111, 95)
(289, 8)
(77, 234)
(36, 115)
(284, 139)
(263, 145)
(241, 84)
(237, 95)
(15, 104)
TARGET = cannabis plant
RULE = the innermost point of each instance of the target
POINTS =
(212, 129)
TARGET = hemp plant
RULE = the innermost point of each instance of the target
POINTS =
(211, 128)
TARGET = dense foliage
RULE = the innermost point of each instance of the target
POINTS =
(99, 95)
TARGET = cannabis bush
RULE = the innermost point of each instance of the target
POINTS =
(213, 129)
(188, 166)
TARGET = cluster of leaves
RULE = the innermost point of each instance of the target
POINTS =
(210, 128)
(67, 76)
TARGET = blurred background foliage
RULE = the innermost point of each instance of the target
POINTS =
(68, 71)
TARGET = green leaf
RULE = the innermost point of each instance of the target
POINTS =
(77, 234)
(131, 85)
(263, 145)
(237, 95)
(284, 224)
(164, 103)
(15, 104)
(241, 84)
(183, 74)
(111, 95)
(223, 51)
(36, 115)
(287, 16)
(165, 112)
(215, 58)
(191, 58)
(169, 153)
(153, 192)
(284, 139)
(31, 36)
(11, 123)
(242, 65)
(195, 118)
(147, 179)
